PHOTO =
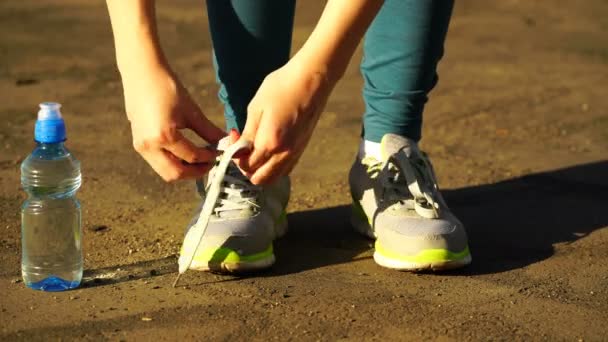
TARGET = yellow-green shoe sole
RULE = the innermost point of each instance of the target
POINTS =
(425, 260)
(224, 259)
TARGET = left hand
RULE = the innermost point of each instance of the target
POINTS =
(281, 118)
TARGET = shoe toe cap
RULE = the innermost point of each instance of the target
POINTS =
(410, 235)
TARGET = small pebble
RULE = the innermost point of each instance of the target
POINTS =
(74, 297)
(98, 228)
(26, 81)
(146, 319)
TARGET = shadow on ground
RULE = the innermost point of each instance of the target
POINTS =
(318, 238)
(515, 223)
(511, 224)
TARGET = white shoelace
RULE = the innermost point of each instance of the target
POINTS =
(236, 193)
(196, 232)
(407, 181)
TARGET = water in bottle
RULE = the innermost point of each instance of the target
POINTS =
(51, 230)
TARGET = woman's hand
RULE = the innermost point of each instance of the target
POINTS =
(158, 107)
(281, 118)
(157, 104)
(286, 108)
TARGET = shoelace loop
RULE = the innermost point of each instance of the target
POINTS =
(237, 193)
(409, 181)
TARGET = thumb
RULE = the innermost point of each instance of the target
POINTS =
(249, 133)
(252, 124)
(203, 127)
(234, 137)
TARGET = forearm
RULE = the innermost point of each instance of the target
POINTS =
(337, 34)
(135, 36)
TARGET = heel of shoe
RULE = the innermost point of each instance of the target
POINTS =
(280, 227)
(360, 222)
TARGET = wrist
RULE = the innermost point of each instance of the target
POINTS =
(139, 62)
(315, 65)
(335, 38)
(141, 68)
(138, 50)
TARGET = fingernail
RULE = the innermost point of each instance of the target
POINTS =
(234, 135)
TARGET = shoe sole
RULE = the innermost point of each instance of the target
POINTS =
(255, 263)
(361, 225)
(234, 267)
(409, 266)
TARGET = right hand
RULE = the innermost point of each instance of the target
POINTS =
(158, 107)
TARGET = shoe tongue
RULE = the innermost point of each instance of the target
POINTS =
(234, 171)
(393, 143)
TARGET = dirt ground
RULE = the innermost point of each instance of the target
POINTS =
(517, 129)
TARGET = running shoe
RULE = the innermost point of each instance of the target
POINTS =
(396, 200)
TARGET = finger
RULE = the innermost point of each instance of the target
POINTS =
(203, 127)
(292, 162)
(244, 162)
(170, 169)
(284, 163)
(271, 170)
(234, 137)
(242, 153)
(257, 158)
(253, 122)
(184, 149)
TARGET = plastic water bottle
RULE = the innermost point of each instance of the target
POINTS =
(51, 233)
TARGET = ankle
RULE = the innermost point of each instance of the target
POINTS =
(369, 149)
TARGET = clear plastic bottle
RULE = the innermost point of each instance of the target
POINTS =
(51, 230)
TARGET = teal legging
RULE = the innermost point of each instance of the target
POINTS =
(402, 47)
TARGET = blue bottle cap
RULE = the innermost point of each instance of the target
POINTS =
(50, 127)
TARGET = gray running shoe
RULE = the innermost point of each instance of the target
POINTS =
(396, 200)
(245, 222)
